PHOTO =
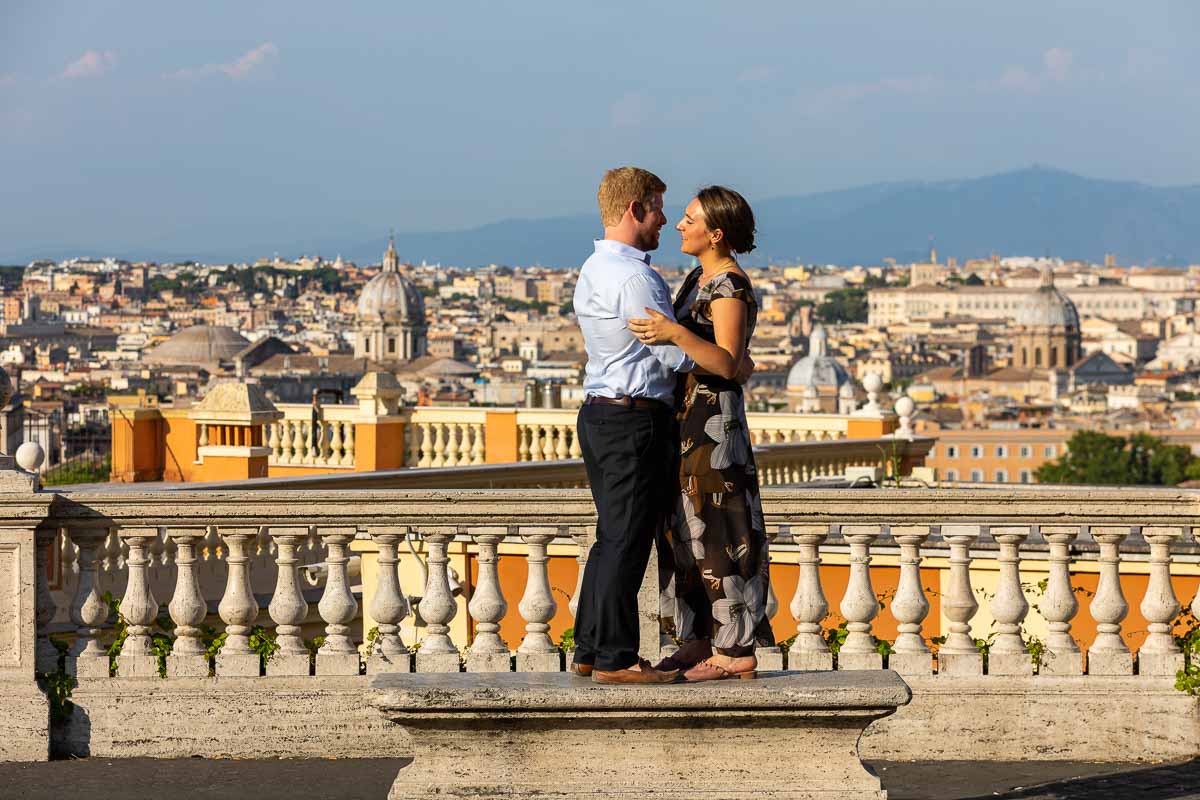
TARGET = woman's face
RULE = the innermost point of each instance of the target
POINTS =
(696, 236)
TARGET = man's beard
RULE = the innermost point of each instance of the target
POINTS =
(649, 242)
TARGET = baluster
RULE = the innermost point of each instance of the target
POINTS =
(488, 653)
(299, 442)
(561, 451)
(451, 445)
(238, 607)
(203, 440)
(288, 608)
(959, 655)
(809, 650)
(909, 606)
(86, 658)
(335, 443)
(584, 538)
(426, 446)
(1008, 654)
(535, 444)
(537, 652)
(525, 452)
(1058, 606)
(45, 655)
(477, 445)
(348, 446)
(1159, 655)
(437, 652)
(412, 435)
(859, 605)
(139, 608)
(338, 656)
(272, 431)
(439, 446)
(389, 605)
(188, 656)
(324, 452)
(770, 658)
(547, 442)
(1109, 655)
(283, 436)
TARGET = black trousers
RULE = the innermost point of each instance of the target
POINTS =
(631, 458)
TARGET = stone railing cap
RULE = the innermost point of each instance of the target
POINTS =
(518, 692)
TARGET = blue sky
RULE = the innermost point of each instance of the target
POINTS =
(260, 124)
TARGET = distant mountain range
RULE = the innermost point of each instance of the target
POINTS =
(1033, 212)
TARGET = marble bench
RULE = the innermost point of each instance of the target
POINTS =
(554, 736)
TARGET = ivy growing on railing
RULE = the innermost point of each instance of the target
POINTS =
(1186, 632)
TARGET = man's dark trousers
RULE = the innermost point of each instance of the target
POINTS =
(630, 454)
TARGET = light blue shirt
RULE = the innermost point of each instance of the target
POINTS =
(616, 285)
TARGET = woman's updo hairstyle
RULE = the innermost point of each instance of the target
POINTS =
(727, 211)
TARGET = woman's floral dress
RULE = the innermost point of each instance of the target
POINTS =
(714, 569)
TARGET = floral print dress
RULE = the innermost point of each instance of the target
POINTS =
(714, 565)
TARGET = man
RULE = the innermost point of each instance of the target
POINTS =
(626, 426)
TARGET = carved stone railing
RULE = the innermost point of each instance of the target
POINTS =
(299, 441)
(438, 436)
(1058, 526)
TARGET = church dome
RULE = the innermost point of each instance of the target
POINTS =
(199, 344)
(818, 368)
(1047, 307)
(390, 296)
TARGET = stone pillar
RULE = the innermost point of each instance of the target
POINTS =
(238, 607)
(859, 605)
(389, 605)
(45, 654)
(1059, 606)
(538, 652)
(912, 656)
(771, 657)
(959, 655)
(86, 658)
(139, 608)
(1109, 655)
(1159, 655)
(288, 608)
(437, 652)
(338, 655)
(1008, 654)
(488, 653)
(809, 607)
(188, 658)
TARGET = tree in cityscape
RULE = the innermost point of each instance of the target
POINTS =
(844, 305)
(1140, 459)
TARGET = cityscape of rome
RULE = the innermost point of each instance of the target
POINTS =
(1004, 357)
(544, 401)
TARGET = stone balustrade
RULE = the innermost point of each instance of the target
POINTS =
(1002, 608)
(150, 550)
(437, 436)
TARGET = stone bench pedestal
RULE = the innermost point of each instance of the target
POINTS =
(554, 736)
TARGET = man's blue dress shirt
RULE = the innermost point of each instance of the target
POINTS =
(616, 285)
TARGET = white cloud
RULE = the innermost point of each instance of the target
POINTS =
(8, 80)
(234, 70)
(90, 64)
(756, 74)
(1056, 68)
(1058, 63)
(834, 98)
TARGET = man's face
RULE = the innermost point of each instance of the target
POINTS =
(651, 223)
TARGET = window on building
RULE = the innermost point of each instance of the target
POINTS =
(391, 345)
(976, 451)
(951, 451)
(1025, 476)
(977, 476)
(1026, 451)
(951, 474)
(1001, 451)
(1001, 476)
(1037, 356)
(1049, 451)
(366, 345)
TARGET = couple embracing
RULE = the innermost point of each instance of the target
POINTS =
(665, 442)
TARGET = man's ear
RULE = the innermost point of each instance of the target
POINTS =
(637, 210)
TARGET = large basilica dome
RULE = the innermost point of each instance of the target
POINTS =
(391, 315)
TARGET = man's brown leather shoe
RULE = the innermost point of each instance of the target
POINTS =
(582, 670)
(643, 674)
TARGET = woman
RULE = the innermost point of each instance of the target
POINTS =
(718, 543)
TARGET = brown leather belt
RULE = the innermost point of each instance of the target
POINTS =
(626, 402)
